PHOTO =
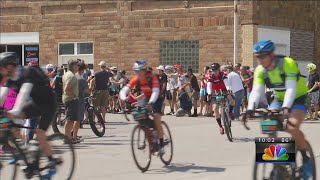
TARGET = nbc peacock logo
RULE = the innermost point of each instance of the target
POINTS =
(275, 153)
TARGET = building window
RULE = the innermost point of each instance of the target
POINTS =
(185, 53)
(66, 49)
(75, 48)
(85, 48)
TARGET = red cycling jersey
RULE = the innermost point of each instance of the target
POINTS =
(217, 82)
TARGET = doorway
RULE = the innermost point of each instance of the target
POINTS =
(17, 49)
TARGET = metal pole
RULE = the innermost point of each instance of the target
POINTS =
(235, 33)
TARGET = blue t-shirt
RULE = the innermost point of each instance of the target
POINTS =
(185, 102)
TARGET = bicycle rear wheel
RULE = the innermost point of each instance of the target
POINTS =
(58, 122)
(141, 145)
(64, 151)
(224, 118)
(96, 122)
(8, 170)
(166, 158)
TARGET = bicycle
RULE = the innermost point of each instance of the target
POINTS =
(30, 158)
(271, 123)
(144, 139)
(221, 99)
(95, 118)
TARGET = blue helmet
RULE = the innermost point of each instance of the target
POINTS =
(263, 47)
(140, 65)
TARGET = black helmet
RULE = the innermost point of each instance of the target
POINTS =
(8, 58)
(215, 66)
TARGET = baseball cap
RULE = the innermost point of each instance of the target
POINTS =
(161, 67)
(102, 63)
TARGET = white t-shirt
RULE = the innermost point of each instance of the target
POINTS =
(172, 82)
(182, 80)
(234, 82)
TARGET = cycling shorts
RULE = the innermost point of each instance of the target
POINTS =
(298, 104)
(44, 113)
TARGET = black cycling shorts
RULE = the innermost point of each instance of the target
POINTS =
(157, 106)
(44, 113)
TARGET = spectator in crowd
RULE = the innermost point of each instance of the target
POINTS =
(247, 78)
(163, 80)
(185, 104)
(114, 88)
(171, 93)
(99, 86)
(313, 84)
(57, 86)
(51, 73)
(83, 90)
(234, 84)
(237, 68)
(203, 93)
(208, 78)
(193, 83)
(70, 98)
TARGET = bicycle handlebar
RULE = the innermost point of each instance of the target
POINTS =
(264, 113)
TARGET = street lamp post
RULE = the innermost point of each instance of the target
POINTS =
(235, 33)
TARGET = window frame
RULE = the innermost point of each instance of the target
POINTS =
(75, 48)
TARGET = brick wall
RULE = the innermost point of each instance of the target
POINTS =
(296, 16)
(249, 36)
(302, 45)
(123, 31)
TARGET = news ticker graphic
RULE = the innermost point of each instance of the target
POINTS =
(275, 150)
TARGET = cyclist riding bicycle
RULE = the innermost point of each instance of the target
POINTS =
(216, 84)
(148, 84)
(30, 82)
(282, 74)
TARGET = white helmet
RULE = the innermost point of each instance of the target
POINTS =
(169, 67)
(140, 65)
(114, 68)
(49, 66)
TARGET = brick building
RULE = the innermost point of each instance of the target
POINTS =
(193, 33)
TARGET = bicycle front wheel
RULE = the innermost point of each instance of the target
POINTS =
(64, 153)
(166, 158)
(141, 147)
(299, 163)
(96, 122)
(225, 119)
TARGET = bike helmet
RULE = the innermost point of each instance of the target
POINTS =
(263, 47)
(311, 67)
(140, 65)
(215, 66)
(114, 68)
(168, 67)
(49, 66)
(8, 58)
(177, 66)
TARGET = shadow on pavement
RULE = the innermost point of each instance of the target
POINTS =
(242, 139)
(311, 122)
(119, 123)
(104, 144)
(186, 167)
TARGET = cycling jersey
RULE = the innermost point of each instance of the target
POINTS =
(144, 85)
(216, 83)
(293, 88)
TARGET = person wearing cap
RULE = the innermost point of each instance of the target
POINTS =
(193, 83)
(51, 73)
(163, 80)
(171, 92)
(114, 88)
(100, 88)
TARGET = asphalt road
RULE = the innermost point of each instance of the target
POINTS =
(200, 152)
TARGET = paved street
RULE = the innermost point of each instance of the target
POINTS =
(200, 152)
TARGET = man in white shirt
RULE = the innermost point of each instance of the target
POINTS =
(235, 85)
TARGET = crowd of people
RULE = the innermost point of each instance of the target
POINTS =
(28, 92)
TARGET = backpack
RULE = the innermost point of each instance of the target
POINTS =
(149, 80)
(280, 86)
(58, 87)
